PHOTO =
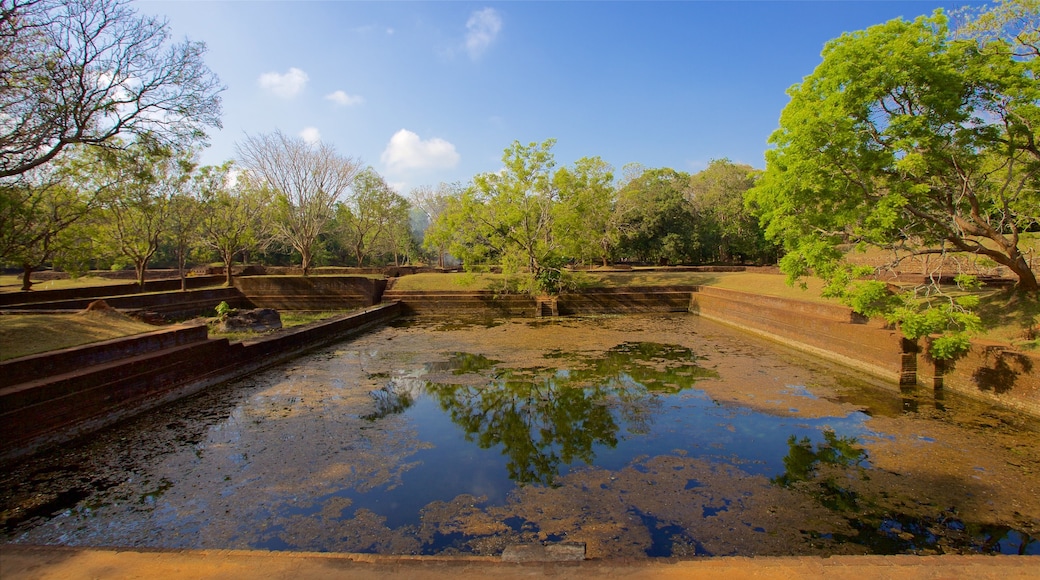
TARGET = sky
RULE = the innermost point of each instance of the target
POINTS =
(430, 92)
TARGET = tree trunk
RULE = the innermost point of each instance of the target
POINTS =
(180, 270)
(306, 262)
(1026, 278)
(227, 270)
(139, 268)
(27, 271)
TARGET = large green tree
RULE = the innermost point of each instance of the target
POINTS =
(138, 185)
(37, 211)
(658, 222)
(905, 137)
(728, 231)
(236, 214)
(585, 221)
(372, 218)
(506, 217)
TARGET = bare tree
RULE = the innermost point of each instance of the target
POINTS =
(307, 181)
(87, 71)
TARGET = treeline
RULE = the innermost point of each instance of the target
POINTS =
(289, 202)
(532, 218)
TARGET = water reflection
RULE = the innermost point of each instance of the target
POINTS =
(829, 471)
(544, 419)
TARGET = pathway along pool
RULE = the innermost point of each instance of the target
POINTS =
(639, 435)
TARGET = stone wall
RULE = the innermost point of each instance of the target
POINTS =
(829, 331)
(311, 292)
(34, 367)
(474, 303)
(991, 371)
(629, 300)
(10, 299)
(171, 304)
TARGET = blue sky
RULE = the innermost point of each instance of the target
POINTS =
(426, 92)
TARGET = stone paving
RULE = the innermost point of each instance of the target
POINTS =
(23, 562)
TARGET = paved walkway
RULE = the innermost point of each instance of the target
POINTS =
(18, 562)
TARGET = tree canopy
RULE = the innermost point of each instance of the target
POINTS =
(906, 138)
(88, 71)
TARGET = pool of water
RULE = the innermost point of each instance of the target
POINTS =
(640, 436)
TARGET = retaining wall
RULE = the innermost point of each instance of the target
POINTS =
(832, 332)
(627, 300)
(475, 303)
(173, 304)
(8, 299)
(311, 292)
(593, 301)
(62, 403)
(991, 371)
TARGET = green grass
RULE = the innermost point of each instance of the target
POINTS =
(12, 283)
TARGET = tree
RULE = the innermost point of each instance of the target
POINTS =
(36, 212)
(370, 217)
(307, 181)
(728, 230)
(138, 184)
(657, 220)
(235, 213)
(432, 202)
(182, 229)
(88, 71)
(507, 217)
(906, 138)
(585, 221)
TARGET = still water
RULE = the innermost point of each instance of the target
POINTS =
(639, 435)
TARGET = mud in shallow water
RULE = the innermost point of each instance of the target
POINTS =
(639, 435)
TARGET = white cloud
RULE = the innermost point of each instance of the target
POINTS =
(342, 99)
(311, 135)
(407, 151)
(482, 28)
(286, 85)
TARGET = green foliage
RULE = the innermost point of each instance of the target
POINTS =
(932, 144)
(224, 310)
(954, 323)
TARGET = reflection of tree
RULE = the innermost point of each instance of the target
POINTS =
(389, 400)
(545, 418)
(803, 464)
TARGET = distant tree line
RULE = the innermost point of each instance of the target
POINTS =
(918, 137)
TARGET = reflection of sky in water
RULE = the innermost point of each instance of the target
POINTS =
(648, 424)
(297, 463)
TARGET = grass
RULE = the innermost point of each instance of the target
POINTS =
(25, 334)
(13, 283)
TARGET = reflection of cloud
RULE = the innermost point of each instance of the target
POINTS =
(407, 151)
(286, 85)
(342, 99)
(482, 28)
(311, 135)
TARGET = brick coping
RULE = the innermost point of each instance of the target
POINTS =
(19, 561)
